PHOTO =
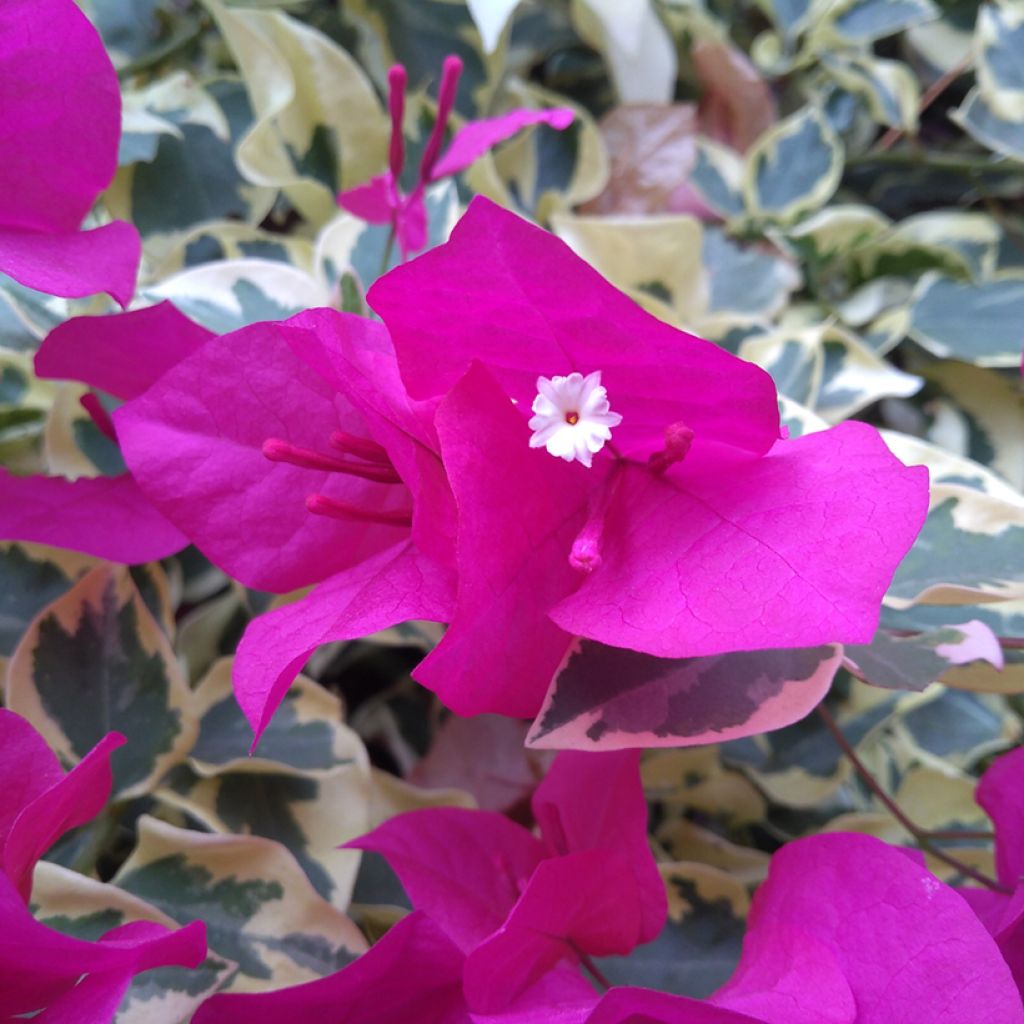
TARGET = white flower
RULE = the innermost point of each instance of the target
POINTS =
(572, 417)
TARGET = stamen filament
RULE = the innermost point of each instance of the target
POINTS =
(397, 79)
(277, 450)
(362, 447)
(321, 505)
(450, 72)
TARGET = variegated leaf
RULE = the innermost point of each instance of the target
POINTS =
(259, 908)
(606, 698)
(93, 660)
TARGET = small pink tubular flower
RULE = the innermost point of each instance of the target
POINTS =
(1001, 793)
(41, 969)
(381, 200)
(847, 930)
(693, 530)
(105, 516)
(517, 905)
(59, 138)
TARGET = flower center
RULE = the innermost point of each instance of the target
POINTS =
(369, 461)
(572, 418)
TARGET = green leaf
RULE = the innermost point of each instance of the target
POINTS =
(971, 548)
(863, 21)
(31, 577)
(888, 87)
(985, 124)
(978, 323)
(94, 660)
(1000, 38)
(793, 168)
(260, 910)
(915, 662)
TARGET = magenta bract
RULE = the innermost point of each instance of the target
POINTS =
(517, 905)
(381, 200)
(41, 969)
(61, 126)
(733, 540)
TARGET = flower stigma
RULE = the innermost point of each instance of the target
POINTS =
(572, 417)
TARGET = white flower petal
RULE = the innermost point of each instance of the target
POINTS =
(573, 417)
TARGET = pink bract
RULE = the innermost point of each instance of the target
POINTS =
(517, 905)
(1001, 793)
(381, 201)
(60, 132)
(847, 930)
(738, 540)
(108, 517)
(41, 969)
(290, 454)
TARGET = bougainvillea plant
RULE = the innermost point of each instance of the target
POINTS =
(511, 513)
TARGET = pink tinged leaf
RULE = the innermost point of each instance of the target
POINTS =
(45, 814)
(978, 643)
(517, 299)
(485, 756)
(122, 354)
(608, 698)
(643, 1006)
(375, 202)
(62, 116)
(789, 550)
(393, 586)
(737, 104)
(413, 973)
(40, 967)
(465, 869)
(596, 802)
(909, 946)
(519, 511)
(194, 441)
(108, 517)
(475, 138)
(76, 264)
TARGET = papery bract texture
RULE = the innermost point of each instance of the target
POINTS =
(517, 905)
(697, 531)
(105, 516)
(1001, 793)
(38, 801)
(61, 125)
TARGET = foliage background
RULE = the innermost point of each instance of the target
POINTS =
(827, 188)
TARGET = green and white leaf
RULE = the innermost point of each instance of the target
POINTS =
(887, 87)
(793, 168)
(1000, 69)
(259, 908)
(81, 907)
(93, 660)
(981, 323)
(864, 21)
(319, 126)
(986, 125)
(970, 550)
(224, 296)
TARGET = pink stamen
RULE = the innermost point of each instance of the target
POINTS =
(585, 554)
(450, 72)
(92, 405)
(678, 439)
(277, 450)
(361, 447)
(321, 505)
(397, 80)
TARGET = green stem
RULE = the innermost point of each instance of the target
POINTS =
(923, 837)
(935, 161)
(389, 248)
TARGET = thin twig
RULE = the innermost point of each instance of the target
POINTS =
(922, 836)
(931, 94)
